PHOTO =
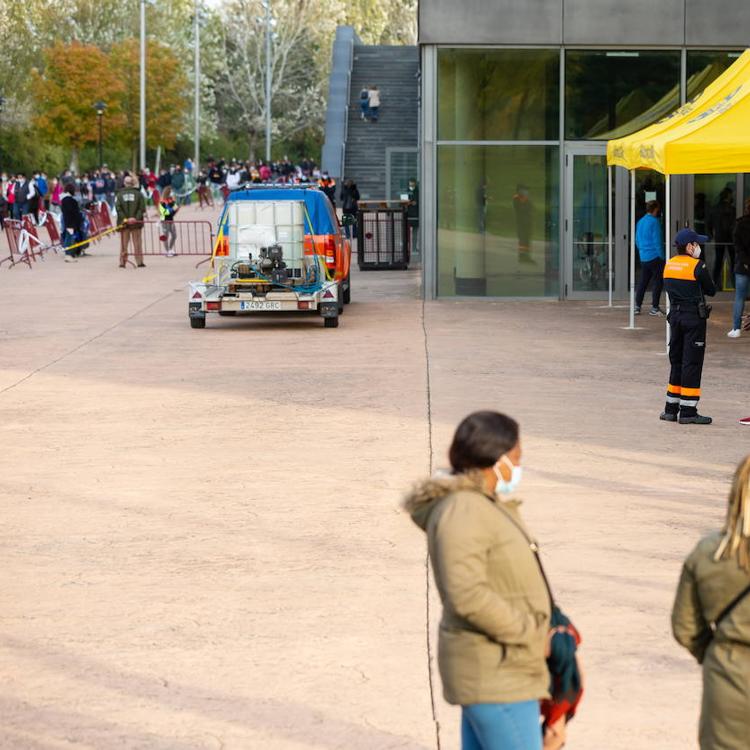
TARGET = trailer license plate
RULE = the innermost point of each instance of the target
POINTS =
(259, 305)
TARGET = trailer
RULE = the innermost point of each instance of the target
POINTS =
(271, 256)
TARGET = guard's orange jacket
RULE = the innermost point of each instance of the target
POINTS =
(686, 280)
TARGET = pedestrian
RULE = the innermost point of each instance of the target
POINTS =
(204, 194)
(741, 269)
(233, 178)
(57, 190)
(42, 185)
(22, 193)
(168, 208)
(412, 214)
(650, 243)
(364, 102)
(373, 103)
(178, 183)
(99, 187)
(72, 223)
(109, 188)
(720, 225)
(687, 281)
(495, 626)
(711, 619)
(10, 197)
(328, 186)
(131, 208)
(3, 200)
(215, 179)
(349, 207)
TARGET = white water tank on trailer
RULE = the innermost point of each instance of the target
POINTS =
(255, 224)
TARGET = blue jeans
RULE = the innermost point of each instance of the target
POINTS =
(501, 726)
(741, 285)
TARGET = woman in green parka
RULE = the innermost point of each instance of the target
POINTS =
(496, 607)
(714, 576)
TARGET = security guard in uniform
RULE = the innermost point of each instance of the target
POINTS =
(687, 281)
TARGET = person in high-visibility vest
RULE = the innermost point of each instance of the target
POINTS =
(687, 282)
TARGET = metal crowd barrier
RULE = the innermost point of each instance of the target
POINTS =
(13, 230)
(382, 236)
(192, 238)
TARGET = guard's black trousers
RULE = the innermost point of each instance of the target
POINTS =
(687, 347)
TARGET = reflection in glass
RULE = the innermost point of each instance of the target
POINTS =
(498, 94)
(498, 209)
(589, 230)
(704, 67)
(714, 214)
(611, 94)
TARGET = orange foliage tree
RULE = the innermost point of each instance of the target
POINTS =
(166, 92)
(75, 76)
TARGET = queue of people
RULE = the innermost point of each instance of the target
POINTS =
(506, 653)
(22, 194)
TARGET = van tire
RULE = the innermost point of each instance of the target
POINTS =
(331, 322)
(348, 290)
(198, 322)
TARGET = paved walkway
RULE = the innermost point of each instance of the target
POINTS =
(202, 544)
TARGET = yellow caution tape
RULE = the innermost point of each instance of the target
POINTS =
(95, 237)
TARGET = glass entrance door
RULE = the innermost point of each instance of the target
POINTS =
(586, 225)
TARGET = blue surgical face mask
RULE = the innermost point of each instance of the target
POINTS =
(504, 487)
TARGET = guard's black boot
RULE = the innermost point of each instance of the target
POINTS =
(696, 419)
(667, 416)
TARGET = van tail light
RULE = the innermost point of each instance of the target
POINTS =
(329, 247)
(213, 306)
(303, 305)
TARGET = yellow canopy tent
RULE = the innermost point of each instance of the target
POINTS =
(709, 135)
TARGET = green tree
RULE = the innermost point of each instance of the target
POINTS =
(301, 48)
(383, 21)
(166, 93)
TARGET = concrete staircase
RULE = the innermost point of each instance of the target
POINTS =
(394, 70)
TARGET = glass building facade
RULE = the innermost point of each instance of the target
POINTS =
(518, 168)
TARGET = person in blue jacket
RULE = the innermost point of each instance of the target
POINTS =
(650, 243)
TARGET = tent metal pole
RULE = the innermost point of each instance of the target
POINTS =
(631, 326)
(668, 240)
(609, 234)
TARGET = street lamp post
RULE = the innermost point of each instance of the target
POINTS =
(2, 105)
(268, 81)
(100, 107)
(197, 86)
(143, 86)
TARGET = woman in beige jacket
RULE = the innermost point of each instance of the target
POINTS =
(496, 607)
(714, 577)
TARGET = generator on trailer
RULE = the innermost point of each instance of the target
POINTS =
(277, 250)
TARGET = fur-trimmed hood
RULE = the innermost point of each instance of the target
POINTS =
(424, 496)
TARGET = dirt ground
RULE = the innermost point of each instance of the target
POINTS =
(202, 545)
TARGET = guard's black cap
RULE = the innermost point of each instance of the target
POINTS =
(686, 236)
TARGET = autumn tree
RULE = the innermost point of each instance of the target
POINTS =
(73, 78)
(166, 93)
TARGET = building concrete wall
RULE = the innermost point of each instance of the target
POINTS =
(623, 22)
(696, 23)
(720, 23)
(490, 22)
